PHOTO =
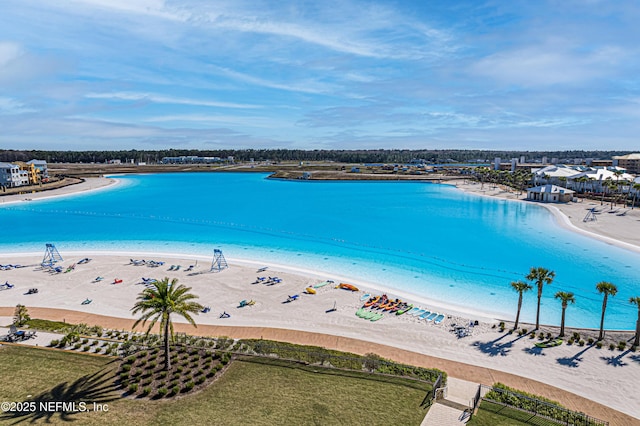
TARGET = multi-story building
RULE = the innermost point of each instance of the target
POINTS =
(41, 165)
(629, 162)
(9, 175)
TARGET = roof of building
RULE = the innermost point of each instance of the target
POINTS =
(41, 162)
(7, 166)
(551, 189)
(634, 156)
(559, 170)
(602, 174)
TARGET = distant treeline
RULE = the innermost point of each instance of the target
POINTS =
(346, 156)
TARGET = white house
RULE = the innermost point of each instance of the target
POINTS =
(9, 175)
(550, 194)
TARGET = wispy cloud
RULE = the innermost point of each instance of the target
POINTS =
(149, 97)
(11, 106)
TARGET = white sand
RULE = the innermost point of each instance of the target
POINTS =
(585, 371)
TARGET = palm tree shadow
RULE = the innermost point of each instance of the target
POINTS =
(98, 388)
(573, 361)
(493, 348)
(617, 361)
(534, 350)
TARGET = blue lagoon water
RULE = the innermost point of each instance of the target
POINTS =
(427, 239)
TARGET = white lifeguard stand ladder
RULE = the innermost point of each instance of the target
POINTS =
(51, 255)
(219, 262)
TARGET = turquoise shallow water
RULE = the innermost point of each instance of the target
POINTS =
(427, 239)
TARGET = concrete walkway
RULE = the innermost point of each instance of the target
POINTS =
(42, 338)
(452, 410)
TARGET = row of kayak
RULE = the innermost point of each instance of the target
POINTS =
(384, 303)
(369, 315)
(427, 315)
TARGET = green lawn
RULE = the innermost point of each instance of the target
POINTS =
(248, 393)
(491, 414)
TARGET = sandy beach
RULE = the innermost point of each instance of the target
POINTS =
(584, 371)
(607, 377)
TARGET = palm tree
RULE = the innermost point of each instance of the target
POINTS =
(636, 301)
(520, 287)
(607, 289)
(540, 276)
(158, 302)
(566, 298)
(636, 187)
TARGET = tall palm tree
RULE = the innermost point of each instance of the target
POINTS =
(636, 301)
(566, 298)
(158, 302)
(540, 276)
(520, 287)
(636, 187)
(607, 289)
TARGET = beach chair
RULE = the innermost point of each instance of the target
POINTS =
(225, 315)
(86, 301)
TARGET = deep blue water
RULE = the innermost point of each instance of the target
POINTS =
(427, 239)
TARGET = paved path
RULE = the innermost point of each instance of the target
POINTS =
(453, 410)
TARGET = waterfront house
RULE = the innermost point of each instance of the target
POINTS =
(550, 194)
(9, 175)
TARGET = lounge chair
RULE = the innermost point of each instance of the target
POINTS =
(206, 309)
(86, 301)
(225, 315)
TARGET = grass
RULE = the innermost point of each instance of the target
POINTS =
(30, 371)
(491, 414)
(260, 393)
(46, 325)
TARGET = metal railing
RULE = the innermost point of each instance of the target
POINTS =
(537, 407)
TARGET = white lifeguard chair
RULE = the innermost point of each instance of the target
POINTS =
(219, 262)
(51, 255)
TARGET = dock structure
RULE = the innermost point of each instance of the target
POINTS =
(219, 262)
(51, 255)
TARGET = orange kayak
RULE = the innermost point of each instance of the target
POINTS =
(349, 287)
(371, 301)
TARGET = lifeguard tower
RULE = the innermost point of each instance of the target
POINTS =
(219, 262)
(51, 255)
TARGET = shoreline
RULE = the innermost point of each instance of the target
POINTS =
(90, 184)
(579, 370)
(567, 216)
(560, 217)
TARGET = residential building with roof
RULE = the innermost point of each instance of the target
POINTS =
(550, 194)
(9, 175)
(629, 162)
(41, 165)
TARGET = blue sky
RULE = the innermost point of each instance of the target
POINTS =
(204, 74)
